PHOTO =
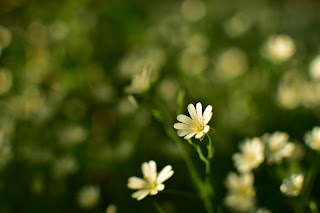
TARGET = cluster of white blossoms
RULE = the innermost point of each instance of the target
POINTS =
(88, 196)
(292, 186)
(241, 192)
(197, 125)
(251, 156)
(312, 138)
(279, 48)
(152, 182)
(277, 147)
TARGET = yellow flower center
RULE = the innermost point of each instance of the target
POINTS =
(152, 186)
(198, 125)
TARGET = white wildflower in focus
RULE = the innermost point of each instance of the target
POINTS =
(111, 208)
(5, 81)
(64, 166)
(5, 151)
(193, 10)
(251, 156)
(231, 64)
(88, 197)
(140, 82)
(237, 25)
(312, 138)
(314, 69)
(292, 186)
(197, 125)
(152, 182)
(241, 192)
(277, 147)
(279, 48)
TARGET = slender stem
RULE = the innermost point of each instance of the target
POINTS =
(158, 207)
(188, 195)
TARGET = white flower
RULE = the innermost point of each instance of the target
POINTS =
(277, 147)
(241, 192)
(197, 124)
(292, 186)
(152, 182)
(279, 48)
(89, 196)
(251, 157)
(312, 138)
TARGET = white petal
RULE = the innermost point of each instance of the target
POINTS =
(181, 126)
(136, 183)
(207, 119)
(207, 111)
(184, 119)
(139, 195)
(199, 109)
(154, 192)
(206, 129)
(160, 187)
(190, 135)
(192, 112)
(199, 135)
(165, 174)
(145, 169)
(153, 170)
(184, 132)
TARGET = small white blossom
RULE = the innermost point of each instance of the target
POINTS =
(152, 182)
(292, 186)
(277, 147)
(89, 197)
(241, 192)
(197, 124)
(312, 138)
(279, 48)
(251, 156)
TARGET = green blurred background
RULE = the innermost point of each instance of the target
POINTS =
(66, 122)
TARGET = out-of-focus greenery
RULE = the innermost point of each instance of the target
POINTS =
(66, 120)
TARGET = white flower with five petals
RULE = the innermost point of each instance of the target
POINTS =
(197, 124)
(152, 182)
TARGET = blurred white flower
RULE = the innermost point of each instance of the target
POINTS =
(241, 192)
(237, 25)
(279, 48)
(277, 147)
(251, 156)
(193, 63)
(231, 64)
(292, 186)
(262, 210)
(5, 80)
(88, 196)
(111, 208)
(197, 124)
(193, 10)
(140, 82)
(314, 69)
(72, 135)
(6, 153)
(5, 37)
(312, 138)
(152, 182)
(64, 166)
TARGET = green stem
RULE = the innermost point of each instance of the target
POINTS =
(158, 207)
